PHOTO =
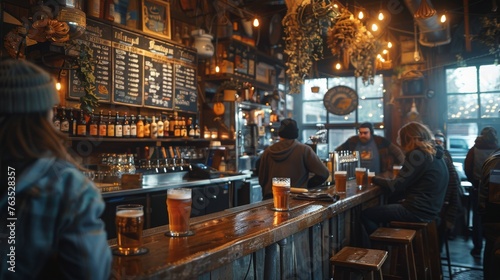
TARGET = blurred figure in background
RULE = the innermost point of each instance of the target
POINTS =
(58, 230)
(377, 153)
(452, 206)
(489, 209)
(485, 144)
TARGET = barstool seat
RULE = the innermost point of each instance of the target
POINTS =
(396, 239)
(352, 259)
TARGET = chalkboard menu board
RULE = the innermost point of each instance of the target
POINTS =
(159, 75)
(128, 55)
(185, 80)
(97, 37)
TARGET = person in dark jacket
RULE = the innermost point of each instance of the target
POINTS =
(422, 180)
(292, 159)
(452, 206)
(485, 144)
(377, 153)
(489, 209)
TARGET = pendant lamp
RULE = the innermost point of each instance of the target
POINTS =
(424, 10)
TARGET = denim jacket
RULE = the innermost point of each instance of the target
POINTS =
(58, 233)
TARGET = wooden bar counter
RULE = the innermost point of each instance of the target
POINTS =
(254, 242)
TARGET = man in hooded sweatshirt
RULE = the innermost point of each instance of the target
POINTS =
(292, 159)
(485, 144)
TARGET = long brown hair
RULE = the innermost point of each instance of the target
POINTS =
(416, 135)
(27, 137)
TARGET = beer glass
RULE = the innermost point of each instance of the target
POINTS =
(179, 210)
(360, 175)
(129, 224)
(340, 181)
(395, 170)
(281, 193)
(370, 177)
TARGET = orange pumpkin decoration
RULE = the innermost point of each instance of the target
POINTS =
(219, 108)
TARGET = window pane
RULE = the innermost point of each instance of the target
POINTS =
(306, 89)
(314, 112)
(339, 136)
(463, 79)
(350, 118)
(462, 106)
(490, 105)
(375, 90)
(489, 78)
(342, 81)
(371, 110)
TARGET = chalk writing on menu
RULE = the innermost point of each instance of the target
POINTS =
(185, 81)
(94, 37)
(159, 75)
(128, 52)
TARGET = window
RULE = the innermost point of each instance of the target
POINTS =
(370, 108)
(473, 97)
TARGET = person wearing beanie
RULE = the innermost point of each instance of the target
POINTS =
(484, 145)
(58, 231)
(292, 159)
(377, 153)
(452, 206)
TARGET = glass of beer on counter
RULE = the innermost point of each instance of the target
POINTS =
(360, 175)
(340, 181)
(395, 170)
(129, 224)
(281, 193)
(370, 178)
(179, 211)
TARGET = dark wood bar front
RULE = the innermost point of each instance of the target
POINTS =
(254, 242)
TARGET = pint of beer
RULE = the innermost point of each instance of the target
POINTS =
(360, 175)
(281, 193)
(340, 181)
(395, 170)
(370, 178)
(129, 223)
(179, 210)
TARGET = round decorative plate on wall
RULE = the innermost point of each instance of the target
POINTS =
(340, 100)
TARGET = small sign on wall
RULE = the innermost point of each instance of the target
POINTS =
(156, 18)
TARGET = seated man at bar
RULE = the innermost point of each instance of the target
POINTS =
(292, 159)
(422, 181)
(50, 210)
(376, 152)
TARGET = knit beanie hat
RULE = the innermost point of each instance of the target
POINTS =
(25, 88)
(288, 129)
(367, 125)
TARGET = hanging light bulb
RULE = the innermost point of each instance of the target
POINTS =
(58, 85)
(380, 16)
(338, 66)
(256, 22)
(413, 114)
(416, 54)
(443, 18)
(389, 45)
(361, 15)
(217, 69)
(374, 27)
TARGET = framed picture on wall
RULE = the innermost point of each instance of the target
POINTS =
(156, 18)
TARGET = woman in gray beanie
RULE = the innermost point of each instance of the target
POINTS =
(52, 210)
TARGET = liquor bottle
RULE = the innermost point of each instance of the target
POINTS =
(166, 127)
(177, 127)
(126, 126)
(81, 126)
(154, 128)
(190, 124)
(64, 121)
(72, 123)
(172, 125)
(103, 127)
(133, 127)
(160, 127)
(184, 131)
(196, 131)
(93, 127)
(118, 126)
(56, 120)
(140, 127)
(111, 126)
(147, 127)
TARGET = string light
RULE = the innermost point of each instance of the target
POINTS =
(256, 22)
(380, 16)
(361, 15)
(338, 66)
(443, 18)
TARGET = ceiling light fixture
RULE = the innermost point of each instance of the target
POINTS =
(424, 10)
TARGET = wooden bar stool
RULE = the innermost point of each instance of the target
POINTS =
(361, 260)
(397, 239)
(420, 245)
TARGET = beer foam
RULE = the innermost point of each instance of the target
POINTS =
(130, 213)
(179, 195)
